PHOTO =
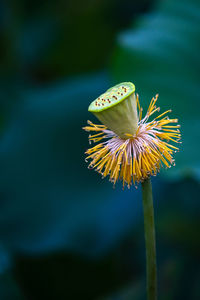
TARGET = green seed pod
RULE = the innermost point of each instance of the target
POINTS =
(117, 109)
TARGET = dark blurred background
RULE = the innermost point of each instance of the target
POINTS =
(64, 232)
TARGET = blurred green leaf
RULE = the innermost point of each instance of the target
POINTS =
(179, 216)
(49, 198)
(162, 56)
(135, 291)
(9, 289)
(8, 286)
(62, 275)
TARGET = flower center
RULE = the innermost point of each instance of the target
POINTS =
(117, 109)
(112, 97)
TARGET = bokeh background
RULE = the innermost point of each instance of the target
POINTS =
(64, 232)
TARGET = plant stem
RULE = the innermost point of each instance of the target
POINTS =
(150, 243)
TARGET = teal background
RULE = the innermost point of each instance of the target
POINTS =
(64, 232)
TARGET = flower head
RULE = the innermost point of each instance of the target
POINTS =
(131, 148)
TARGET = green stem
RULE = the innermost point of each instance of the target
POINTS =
(149, 229)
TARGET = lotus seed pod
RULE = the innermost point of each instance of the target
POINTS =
(117, 109)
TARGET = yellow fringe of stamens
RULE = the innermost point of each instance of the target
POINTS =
(134, 169)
